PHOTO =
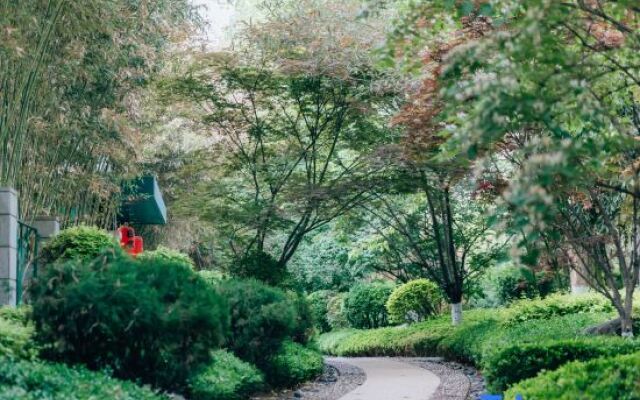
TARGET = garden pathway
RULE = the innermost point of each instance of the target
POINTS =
(389, 379)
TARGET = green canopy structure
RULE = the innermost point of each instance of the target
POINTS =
(142, 202)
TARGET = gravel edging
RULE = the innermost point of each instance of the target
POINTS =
(457, 381)
(338, 379)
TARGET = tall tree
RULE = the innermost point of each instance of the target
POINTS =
(293, 112)
(565, 75)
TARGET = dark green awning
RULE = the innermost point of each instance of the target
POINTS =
(142, 202)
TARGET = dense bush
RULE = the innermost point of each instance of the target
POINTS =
(166, 254)
(18, 315)
(515, 283)
(293, 364)
(319, 306)
(365, 304)
(555, 305)
(153, 321)
(336, 312)
(77, 243)
(303, 329)
(262, 317)
(225, 378)
(22, 380)
(213, 278)
(521, 361)
(414, 301)
(260, 266)
(16, 334)
(601, 379)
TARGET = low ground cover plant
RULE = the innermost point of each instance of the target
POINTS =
(36, 380)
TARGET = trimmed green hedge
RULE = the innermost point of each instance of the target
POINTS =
(480, 340)
(521, 361)
(293, 364)
(614, 378)
(225, 378)
(555, 305)
(23, 380)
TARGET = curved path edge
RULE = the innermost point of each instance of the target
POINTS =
(454, 383)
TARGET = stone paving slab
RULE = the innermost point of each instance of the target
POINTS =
(392, 379)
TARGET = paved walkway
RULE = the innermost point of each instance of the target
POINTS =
(388, 379)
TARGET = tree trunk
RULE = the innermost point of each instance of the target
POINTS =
(456, 313)
(626, 325)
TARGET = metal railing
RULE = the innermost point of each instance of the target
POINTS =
(28, 242)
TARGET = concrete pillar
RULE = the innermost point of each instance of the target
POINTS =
(8, 246)
(578, 284)
(47, 227)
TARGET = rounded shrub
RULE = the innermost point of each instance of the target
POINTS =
(260, 266)
(365, 305)
(293, 364)
(414, 301)
(23, 380)
(225, 378)
(319, 306)
(262, 317)
(166, 254)
(77, 243)
(605, 378)
(155, 322)
(336, 312)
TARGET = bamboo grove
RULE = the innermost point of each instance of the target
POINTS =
(71, 77)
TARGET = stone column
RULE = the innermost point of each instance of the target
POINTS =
(578, 284)
(8, 246)
(47, 227)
